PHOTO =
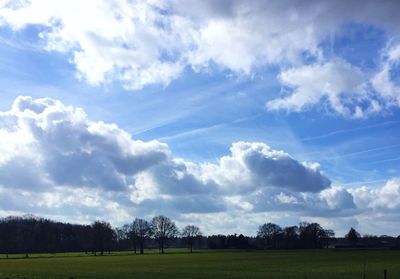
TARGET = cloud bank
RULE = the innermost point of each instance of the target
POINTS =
(57, 163)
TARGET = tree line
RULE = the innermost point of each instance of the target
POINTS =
(305, 235)
(30, 234)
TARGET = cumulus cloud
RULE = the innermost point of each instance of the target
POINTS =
(343, 88)
(331, 202)
(131, 41)
(337, 83)
(58, 145)
(57, 163)
(52, 150)
(338, 198)
(384, 81)
(255, 165)
(379, 206)
(386, 197)
(145, 42)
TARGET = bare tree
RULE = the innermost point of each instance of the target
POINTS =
(142, 230)
(191, 233)
(311, 235)
(131, 236)
(103, 235)
(328, 235)
(353, 236)
(163, 229)
(291, 236)
(270, 233)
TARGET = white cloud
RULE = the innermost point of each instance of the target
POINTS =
(129, 41)
(379, 207)
(329, 203)
(58, 145)
(384, 82)
(337, 198)
(284, 198)
(68, 167)
(337, 83)
(255, 165)
(341, 87)
(63, 159)
(139, 43)
(145, 42)
(386, 197)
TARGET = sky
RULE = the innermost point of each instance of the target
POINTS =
(222, 114)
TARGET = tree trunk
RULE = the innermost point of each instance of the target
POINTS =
(141, 248)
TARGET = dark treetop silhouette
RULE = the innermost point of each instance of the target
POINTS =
(30, 234)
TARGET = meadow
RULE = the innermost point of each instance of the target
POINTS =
(302, 264)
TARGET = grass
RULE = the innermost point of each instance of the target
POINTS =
(209, 264)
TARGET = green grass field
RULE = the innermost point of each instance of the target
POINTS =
(209, 264)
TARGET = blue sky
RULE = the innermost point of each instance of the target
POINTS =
(189, 81)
